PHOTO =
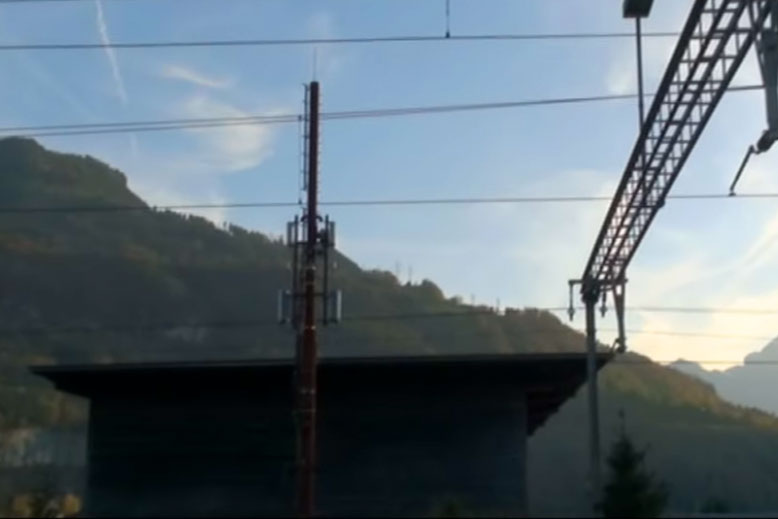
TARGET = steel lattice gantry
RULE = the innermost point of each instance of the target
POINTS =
(713, 44)
(715, 39)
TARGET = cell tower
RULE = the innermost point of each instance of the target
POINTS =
(311, 239)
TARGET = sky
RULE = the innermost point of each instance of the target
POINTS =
(721, 253)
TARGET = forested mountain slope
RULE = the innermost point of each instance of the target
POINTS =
(110, 286)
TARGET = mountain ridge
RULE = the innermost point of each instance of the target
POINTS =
(749, 384)
(114, 277)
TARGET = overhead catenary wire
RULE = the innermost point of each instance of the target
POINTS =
(219, 324)
(480, 310)
(69, 1)
(328, 41)
(54, 328)
(741, 362)
(361, 203)
(705, 310)
(53, 130)
(687, 310)
(205, 123)
(74, 1)
(697, 335)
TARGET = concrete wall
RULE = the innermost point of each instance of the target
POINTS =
(199, 456)
(400, 451)
(410, 450)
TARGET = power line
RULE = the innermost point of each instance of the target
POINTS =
(178, 124)
(538, 199)
(334, 203)
(363, 203)
(330, 41)
(228, 324)
(161, 126)
(418, 315)
(250, 323)
(744, 362)
(686, 310)
(60, 1)
(481, 310)
(49, 1)
(52, 130)
(698, 335)
(705, 310)
(170, 326)
(139, 208)
(52, 330)
(258, 118)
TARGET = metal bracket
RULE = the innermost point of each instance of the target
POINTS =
(618, 303)
(592, 291)
(767, 56)
(290, 301)
(604, 303)
(751, 151)
(571, 309)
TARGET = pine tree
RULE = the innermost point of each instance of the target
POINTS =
(631, 491)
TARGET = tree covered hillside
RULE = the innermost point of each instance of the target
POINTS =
(111, 286)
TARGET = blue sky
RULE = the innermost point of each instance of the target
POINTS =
(699, 253)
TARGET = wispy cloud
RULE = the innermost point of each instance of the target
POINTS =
(189, 75)
(720, 333)
(230, 148)
(116, 72)
(743, 282)
(105, 39)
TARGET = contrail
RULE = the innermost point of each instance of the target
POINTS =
(105, 39)
(102, 28)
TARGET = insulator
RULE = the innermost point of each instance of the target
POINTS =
(331, 234)
(335, 306)
(284, 306)
(290, 238)
(604, 303)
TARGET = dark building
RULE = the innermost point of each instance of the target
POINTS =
(397, 436)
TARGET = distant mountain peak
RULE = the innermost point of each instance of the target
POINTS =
(686, 362)
(688, 366)
(769, 352)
